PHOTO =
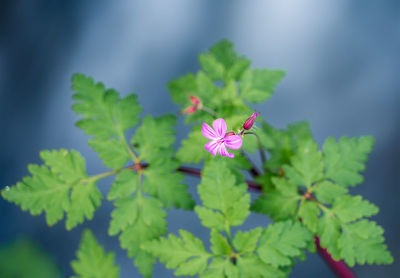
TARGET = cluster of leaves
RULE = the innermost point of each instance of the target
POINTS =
(61, 186)
(305, 190)
(261, 252)
(225, 84)
(314, 188)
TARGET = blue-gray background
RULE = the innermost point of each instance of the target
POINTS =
(341, 59)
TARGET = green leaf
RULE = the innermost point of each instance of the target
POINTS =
(147, 224)
(220, 268)
(210, 219)
(278, 203)
(165, 184)
(49, 188)
(362, 242)
(306, 165)
(192, 149)
(123, 215)
(25, 259)
(344, 160)
(85, 199)
(107, 117)
(356, 242)
(328, 230)
(224, 53)
(282, 241)
(92, 260)
(219, 244)
(125, 184)
(154, 134)
(349, 208)
(104, 113)
(68, 165)
(113, 152)
(182, 87)
(251, 266)
(327, 192)
(212, 66)
(282, 144)
(186, 253)
(246, 242)
(309, 212)
(219, 191)
(258, 85)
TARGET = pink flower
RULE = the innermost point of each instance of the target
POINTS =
(220, 139)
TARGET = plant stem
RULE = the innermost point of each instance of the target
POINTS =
(253, 171)
(338, 267)
(228, 233)
(209, 111)
(127, 146)
(100, 176)
(260, 148)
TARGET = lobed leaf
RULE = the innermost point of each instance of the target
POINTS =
(146, 224)
(344, 160)
(185, 253)
(327, 191)
(92, 261)
(279, 203)
(306, 167)
(107, 117)
(282, 241)
(167, 185)
(246, 242)
(258, 85)
(153, 136)
(104, 113)
(219, 191)
(349, 208)
(309, 212)
(60, 186)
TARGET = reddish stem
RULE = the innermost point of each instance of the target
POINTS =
(197, 173)
(338, 267)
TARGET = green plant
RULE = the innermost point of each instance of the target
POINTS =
(305, 190)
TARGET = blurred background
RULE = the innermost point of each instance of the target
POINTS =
(342, 64)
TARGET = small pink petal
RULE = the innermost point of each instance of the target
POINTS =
(189, 110)
(194, 100)
(233, 142)
(219, 126)
(213, 147)
(209, 133)
(222, 151)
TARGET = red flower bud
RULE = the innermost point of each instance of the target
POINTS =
(250, 121)
(196, 105)
(194, 100)
(190, 110)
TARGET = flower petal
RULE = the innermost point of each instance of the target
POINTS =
(219, 126)
(213, 147)
(209, 133)
(233, 142)
(222, 151)
(189, 110)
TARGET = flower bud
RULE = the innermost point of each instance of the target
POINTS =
(194, 100)
(250, 121)
(196, 105)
